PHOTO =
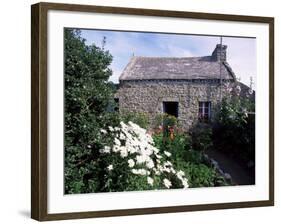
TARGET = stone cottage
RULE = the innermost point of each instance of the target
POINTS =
(188, 88)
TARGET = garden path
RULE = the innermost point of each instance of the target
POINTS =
(240, 176)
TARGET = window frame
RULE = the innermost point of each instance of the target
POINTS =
(204, 116)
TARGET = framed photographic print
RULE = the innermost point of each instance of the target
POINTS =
(139, 111)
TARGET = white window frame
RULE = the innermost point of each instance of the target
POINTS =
(205, 104)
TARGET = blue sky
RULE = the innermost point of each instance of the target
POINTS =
(241, 52)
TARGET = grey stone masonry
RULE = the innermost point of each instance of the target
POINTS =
(148, 97)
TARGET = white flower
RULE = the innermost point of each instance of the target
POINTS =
(150, 164)
(122, 136)
(116, 148)
(110, 167)
(168, 163)
(134, 171)
(156, 151)
(167, 183)
(123, 151)
(89, 146)
(172, 170)
(157, 172)
(103, 131)
(131, 163)
(184, 183)
(166, 169)
(110, 128)
(123, 125)
(140, 159)
(180, 173)
(141, 172)
(137, 143)
(181, 176)
(106, 149)
(158, 156)
(150, 181)
(117, 142)
(167, 153)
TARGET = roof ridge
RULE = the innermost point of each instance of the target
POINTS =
(127, 68)
(229, 69)
(158, 57)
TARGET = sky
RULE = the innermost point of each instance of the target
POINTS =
(241, 52)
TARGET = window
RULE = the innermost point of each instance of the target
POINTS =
(171, 108)
(204, 111)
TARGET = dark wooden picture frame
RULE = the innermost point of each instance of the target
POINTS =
(39, 121)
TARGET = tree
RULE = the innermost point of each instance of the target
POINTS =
(87, 97)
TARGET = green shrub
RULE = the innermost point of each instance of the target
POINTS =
(139, 118)
(188, 160)
(178, 146)
(87, 96)
(194, 156)
(200, 175)
(201, 137)
(165, 120)
(234, 130)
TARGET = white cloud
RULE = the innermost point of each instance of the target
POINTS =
(241, 52)
(176, 51)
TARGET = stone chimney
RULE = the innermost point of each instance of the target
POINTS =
(219, 54)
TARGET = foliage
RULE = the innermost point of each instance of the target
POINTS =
(87, 95)
(234, 130)
(178, 146)
(168, 136)
(200, 175)
(165, 120)
(190, 161)
(194, 156)
(139, 118)
(202, 136)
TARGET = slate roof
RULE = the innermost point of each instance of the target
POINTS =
(168, 68)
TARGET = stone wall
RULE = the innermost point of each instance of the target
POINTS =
(148, 97)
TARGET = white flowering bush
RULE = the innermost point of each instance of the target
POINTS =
(132, 162)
